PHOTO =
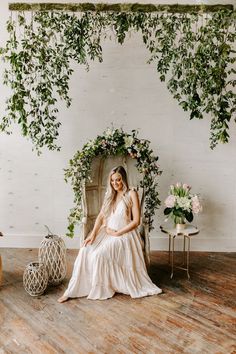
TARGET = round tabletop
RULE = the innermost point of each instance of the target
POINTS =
(189, 230)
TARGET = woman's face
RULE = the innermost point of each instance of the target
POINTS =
(116, 182)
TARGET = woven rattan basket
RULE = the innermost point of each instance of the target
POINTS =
(35, 278)
(52, 253)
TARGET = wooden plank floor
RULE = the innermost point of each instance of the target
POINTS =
(191, 316)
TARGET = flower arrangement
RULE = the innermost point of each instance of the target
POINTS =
(114, 142)
(180, 204)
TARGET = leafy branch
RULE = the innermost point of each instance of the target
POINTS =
(194, 53)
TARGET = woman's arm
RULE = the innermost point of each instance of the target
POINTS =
(136, 217)
(97, 225)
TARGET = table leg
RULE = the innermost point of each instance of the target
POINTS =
(184, 253)
(188, 256)
(172, 257)
(169, 247)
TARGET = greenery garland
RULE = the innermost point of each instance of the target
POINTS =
(194, 52)
(117, 7)
(114, 142)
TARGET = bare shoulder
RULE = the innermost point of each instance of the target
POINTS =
(132, 191)
(133, 194)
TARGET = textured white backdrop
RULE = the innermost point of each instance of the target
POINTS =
(126, 91)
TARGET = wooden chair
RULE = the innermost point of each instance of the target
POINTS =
(93, 194)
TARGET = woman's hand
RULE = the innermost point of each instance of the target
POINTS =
(112, 232)
(88, 241)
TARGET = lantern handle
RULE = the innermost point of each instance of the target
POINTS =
(49, 232)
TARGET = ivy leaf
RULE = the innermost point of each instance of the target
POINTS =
(188, 216)
(167, 211)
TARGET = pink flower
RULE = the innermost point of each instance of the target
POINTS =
(170, 201)
(178, 184)
(196, 206)
(186, 187)
(133, 155)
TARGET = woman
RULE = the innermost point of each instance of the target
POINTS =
(111, 259)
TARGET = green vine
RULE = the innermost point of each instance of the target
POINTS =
(194, 53)
(114, 142)
(117, 7)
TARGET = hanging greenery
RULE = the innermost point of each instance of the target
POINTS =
(194, 53)
(118, 7)
(114, 142)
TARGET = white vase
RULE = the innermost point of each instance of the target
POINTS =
(180, 227)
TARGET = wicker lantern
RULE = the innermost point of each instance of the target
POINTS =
(52, 253)
(35, 278)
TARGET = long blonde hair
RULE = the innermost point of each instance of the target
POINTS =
(110, 194)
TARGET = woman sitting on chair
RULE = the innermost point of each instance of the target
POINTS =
(111, 259)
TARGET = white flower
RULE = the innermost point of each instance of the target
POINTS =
(184, 203)
(108, 132)
(91, 142)
(170, 201)
(128, 141)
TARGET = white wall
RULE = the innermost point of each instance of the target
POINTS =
(126, 91)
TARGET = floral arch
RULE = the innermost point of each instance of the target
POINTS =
(114, 142)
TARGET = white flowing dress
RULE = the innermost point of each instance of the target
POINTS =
(112, 264)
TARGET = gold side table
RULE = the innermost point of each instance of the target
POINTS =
(187, 233)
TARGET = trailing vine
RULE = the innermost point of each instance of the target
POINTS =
(194, 53)
(114, 142)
